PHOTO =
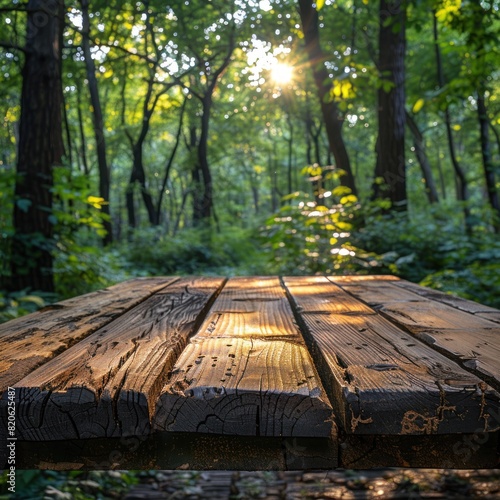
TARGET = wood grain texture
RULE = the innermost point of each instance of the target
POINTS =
(108, 383)
(247, 371)
(28, 342)
(379, 378)
(472, 341)
(363, 278)
(469, 306)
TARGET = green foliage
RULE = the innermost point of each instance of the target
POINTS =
(79, 263)
(15, 304)
(309, 237)
(201, 251)
(74, 485)
(429, 247)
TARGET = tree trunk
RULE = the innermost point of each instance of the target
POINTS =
(98, 122)
(489, 170)
(290, 153)
(196, 187)
(391, 105)
(206, 207)
(332, 116)
(462, 188)
(83, 145)
(418, 141)
(170, 162)
(40, 148)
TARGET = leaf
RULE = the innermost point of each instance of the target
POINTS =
(457, 127)
(23, 204)
(34, 299)
(96, 201)
(341, 191)
(418, 105)
(351, 198)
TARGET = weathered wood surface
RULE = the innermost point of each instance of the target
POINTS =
(30, 341)
(247, 371)
(176, 366)
(472, 341)
(469, 306)
(380, 379)
(107, 384)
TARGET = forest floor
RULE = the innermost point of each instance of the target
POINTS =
(340, 484)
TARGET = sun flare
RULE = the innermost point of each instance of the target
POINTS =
(282, 73)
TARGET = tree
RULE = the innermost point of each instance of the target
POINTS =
(210, 63)
(391, 105)
(40, 147)
(98, 122)
(331, 113)
(419, 144)
(462, 185)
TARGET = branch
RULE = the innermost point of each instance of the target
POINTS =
(12, 46)
(18, 8)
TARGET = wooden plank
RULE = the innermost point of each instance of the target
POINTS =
(28, 342)
(247, 371)
(178, 450)
(443, 451)
(108, 383)
(360, 277)
(379, 378)
(470, 340)
(469, 306)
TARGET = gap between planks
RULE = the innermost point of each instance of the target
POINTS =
(30, 341)
(463, 336)
(381, 380)
(247, 371)
(107, 384)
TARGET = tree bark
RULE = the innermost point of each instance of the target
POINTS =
(418, 141)
(206, 206)
(332, 116)
(98, 122)
(391, 105)
(40, 148)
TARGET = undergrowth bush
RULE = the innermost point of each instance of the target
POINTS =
(192, 251)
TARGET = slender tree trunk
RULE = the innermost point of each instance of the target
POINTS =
(332, 116)
(273, 178)
(418, 141)
(461, 180)
(98, 122)
(83, 148)
(68, 147)
(40, 148)
(196, 190)
(290, 153)
(206, 175)
(140, 177)
(489, 170)
(391, 105)
(170, 162)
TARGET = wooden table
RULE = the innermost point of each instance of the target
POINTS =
(253, 373)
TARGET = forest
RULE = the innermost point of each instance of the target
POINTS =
(247, 137)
